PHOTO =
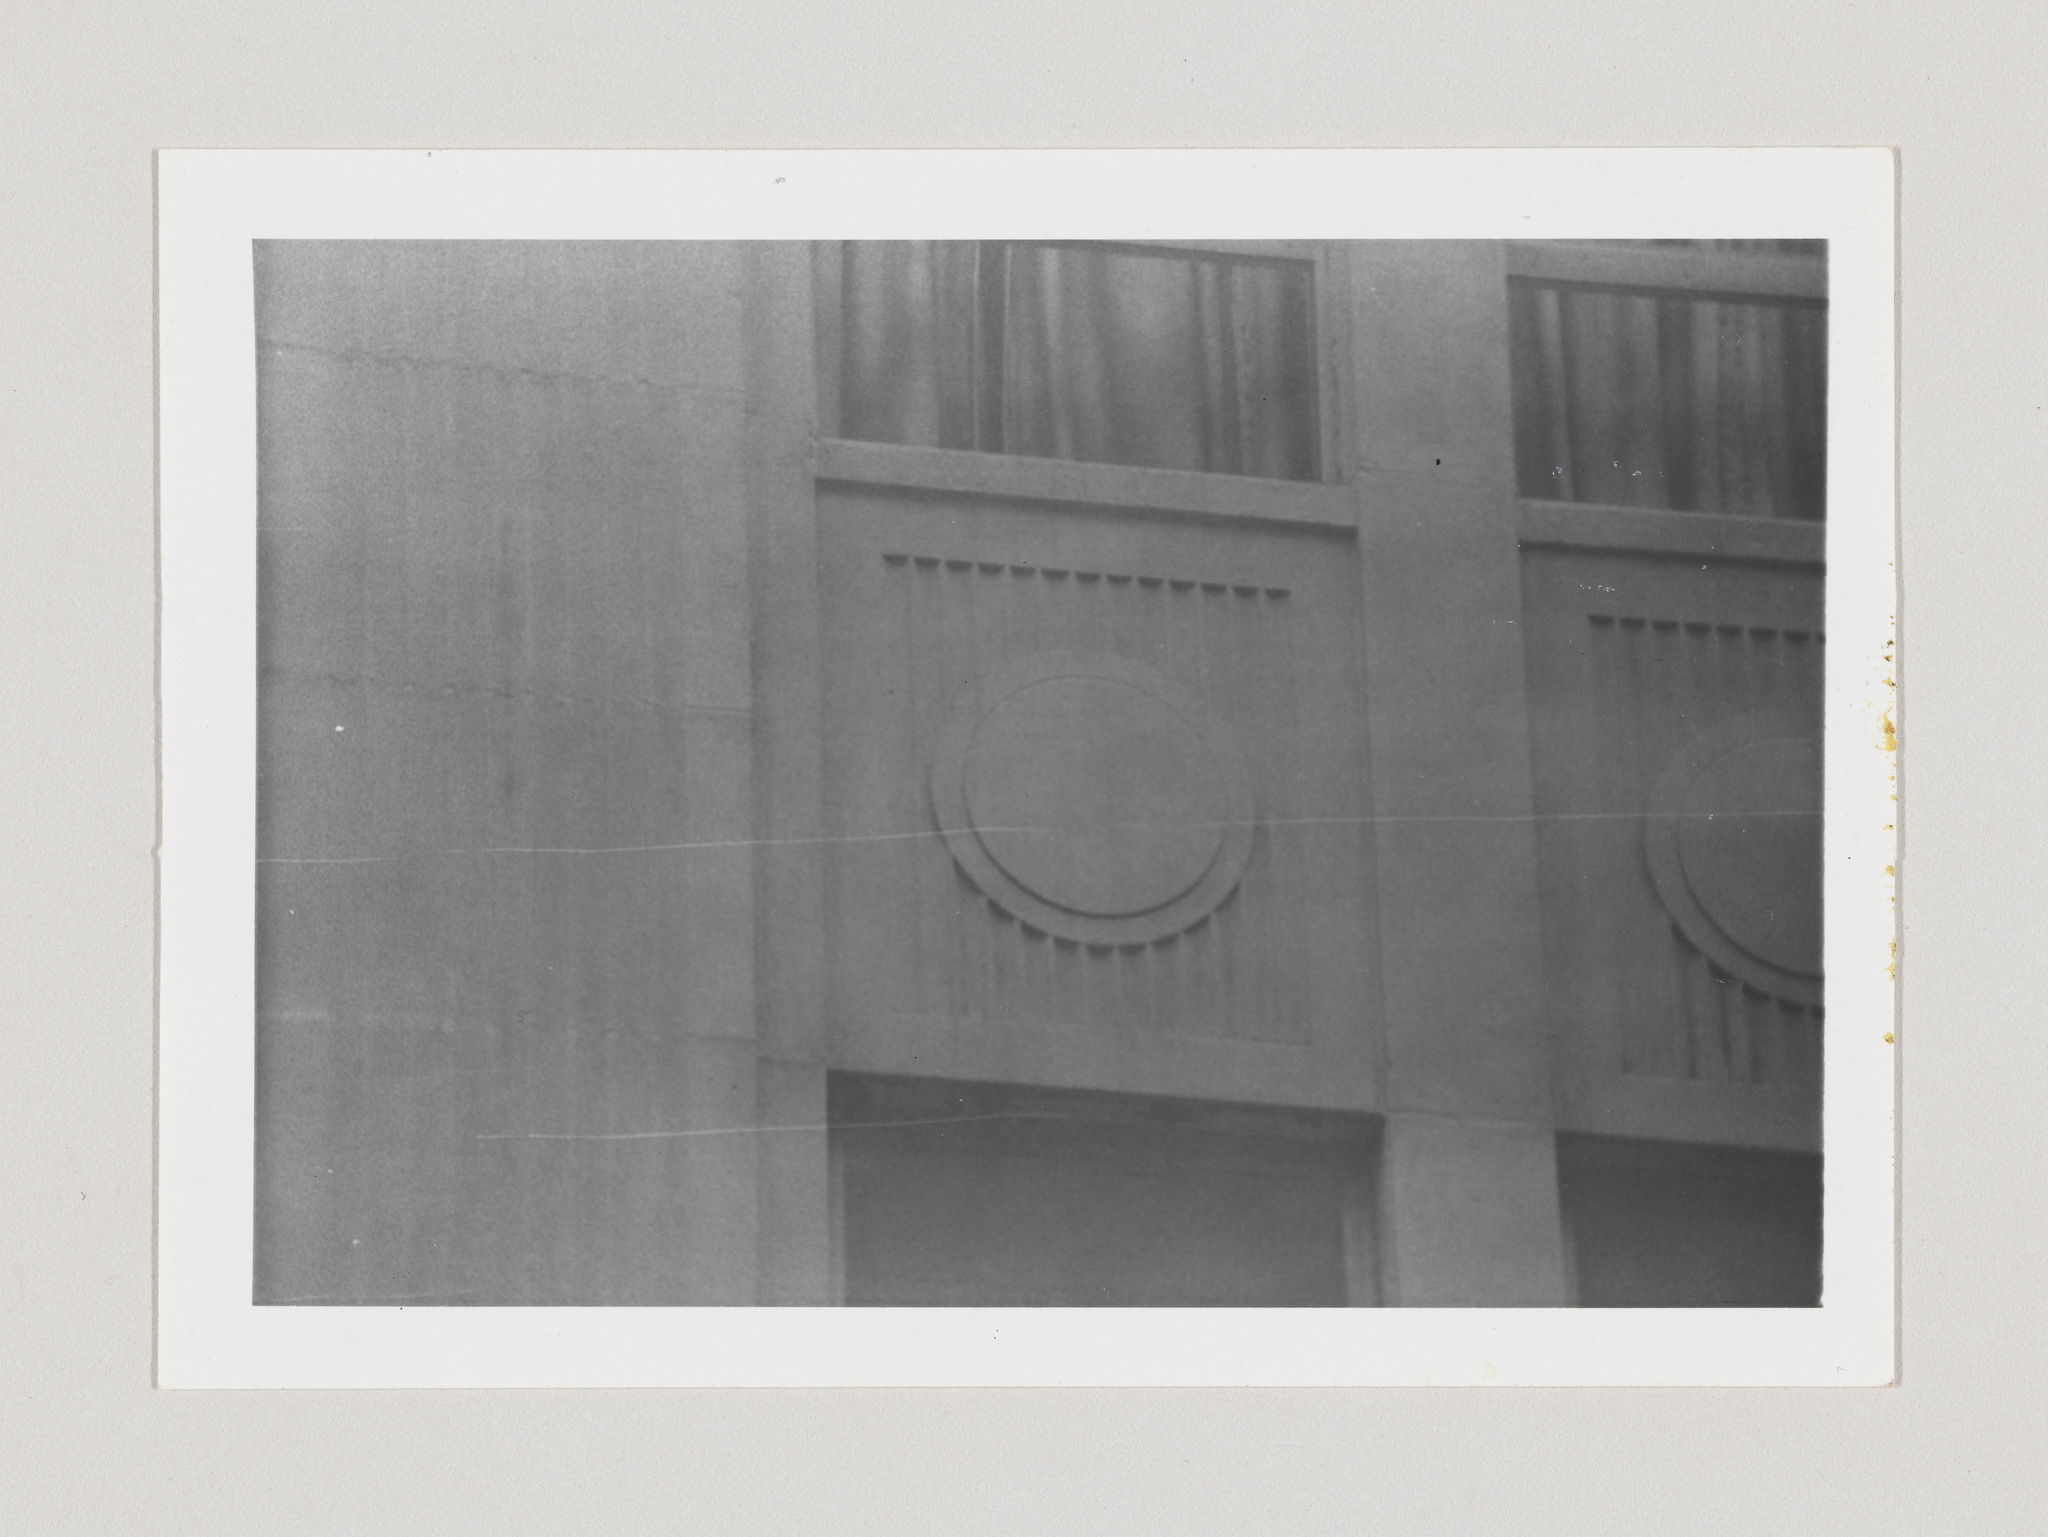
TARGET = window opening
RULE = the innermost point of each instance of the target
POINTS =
(1678, 401)
(1102, 353)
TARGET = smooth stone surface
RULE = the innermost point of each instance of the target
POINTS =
(1096, 796)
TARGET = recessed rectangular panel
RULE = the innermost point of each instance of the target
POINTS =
(1676, 712)
(1096, 790)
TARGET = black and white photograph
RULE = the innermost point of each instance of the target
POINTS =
(911, 771)
(1058, 773)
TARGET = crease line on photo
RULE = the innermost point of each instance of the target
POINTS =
(743, 843)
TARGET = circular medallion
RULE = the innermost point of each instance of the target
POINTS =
(1091, 798)
(1734, 845)
(1095, 795)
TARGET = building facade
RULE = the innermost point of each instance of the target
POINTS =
(1019, 773)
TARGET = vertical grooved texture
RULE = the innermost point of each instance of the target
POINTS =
(1659, 685)
(1234, 974)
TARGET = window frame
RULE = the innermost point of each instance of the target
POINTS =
(1327, 325)
(1677, 272)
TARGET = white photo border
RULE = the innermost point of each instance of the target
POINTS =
(212, 204)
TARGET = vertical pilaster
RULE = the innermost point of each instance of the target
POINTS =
(706, 649)
(794, 1240)
(1469, 1209)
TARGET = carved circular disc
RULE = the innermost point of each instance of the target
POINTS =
(1095, 795)
(1092, 798)
(1750, 846)
(1733, 842)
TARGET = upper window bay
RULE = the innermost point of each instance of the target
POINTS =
(1110, 354)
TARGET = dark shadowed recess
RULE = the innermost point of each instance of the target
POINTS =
(1666, 1225)
(974, 1195)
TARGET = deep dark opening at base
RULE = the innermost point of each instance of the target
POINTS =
(973, 1195)
(1656, 1224)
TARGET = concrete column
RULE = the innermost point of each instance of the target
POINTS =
(794, 1240)
(1469, 1207)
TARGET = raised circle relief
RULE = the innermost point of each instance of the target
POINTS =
(1092, 798)
(1734, 845)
